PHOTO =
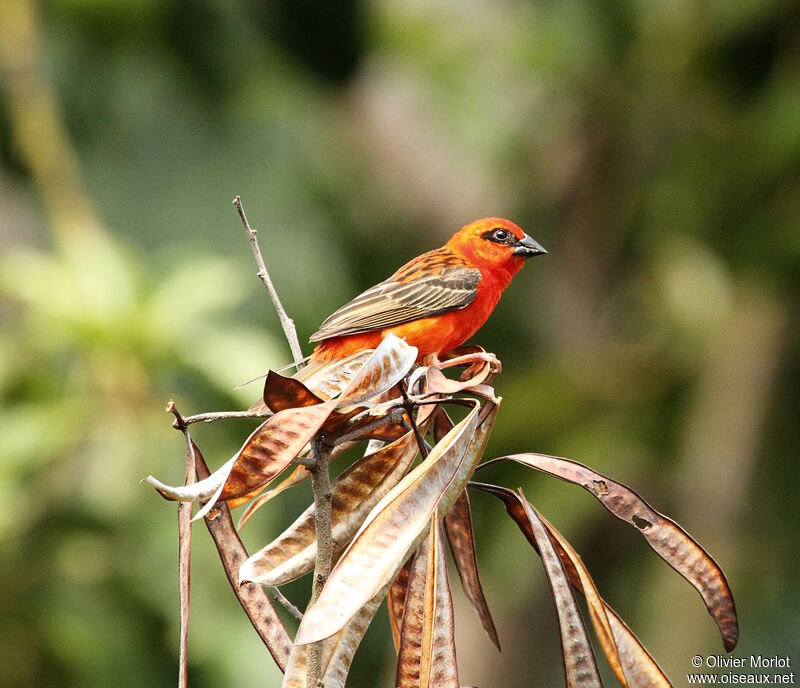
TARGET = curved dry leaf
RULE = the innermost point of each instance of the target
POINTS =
(195, 492)
(458, 526)
(472, 456)
(484, 391)
(673, 544)
(629, 660)
(354, 493)
(442, 424)
(327, 380)
(384, 431)
(573, 564)
(439, 667)
(272, 446)
(301, 474)
(253, 598)
(281, 393)
(409, 649)
(265, 454)
(297, 476)
(337, 651)
(427, 652)
(396, 601)
(387, 365)
(579, 664)
(439, 383)
(277, 441)
(640, 669)
(393, 528)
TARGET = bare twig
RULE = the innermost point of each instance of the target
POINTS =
(280, 597)
(395, 416)
(214, 416)
(286, 322)
(184, 550)
(409, 406)
(323, 494)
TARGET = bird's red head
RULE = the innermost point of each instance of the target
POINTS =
(494, 243)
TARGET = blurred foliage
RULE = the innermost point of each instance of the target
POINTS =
(653, 148)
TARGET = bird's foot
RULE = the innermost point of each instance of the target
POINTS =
(475, 361)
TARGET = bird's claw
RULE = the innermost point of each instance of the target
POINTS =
(475, 361)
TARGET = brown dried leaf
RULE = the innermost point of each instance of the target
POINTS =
(383, 432)
(442, 424)
(412, 628)
(194, 492)
(297, 476)
(253, 598)
(272, 447)
(387, 365)
(396, 602)
(329, 379)
(458, 525)
(277, 441)
(355, 492)
(438, 382)
(579, 664)
(301, 474)
(395, 526)
(667, 538)
(597, 611)
(438, 667)
(281, 393)
(640, 669)
(427, 653)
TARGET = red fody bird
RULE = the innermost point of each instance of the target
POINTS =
(436, 301)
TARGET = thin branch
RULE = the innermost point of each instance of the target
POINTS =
(395, 416)
(280, 597)
(286, 322)
(184, 550)
(214, 416)
(323, 495)
(409, 406)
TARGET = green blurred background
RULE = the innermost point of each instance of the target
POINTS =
(652, 147)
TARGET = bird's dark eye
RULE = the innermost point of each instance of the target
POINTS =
(499, 235)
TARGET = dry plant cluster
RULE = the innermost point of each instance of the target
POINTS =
(377, 531)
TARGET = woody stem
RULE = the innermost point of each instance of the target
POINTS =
(286, 322)
(323, 494)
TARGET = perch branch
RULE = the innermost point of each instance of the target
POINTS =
(286, 322)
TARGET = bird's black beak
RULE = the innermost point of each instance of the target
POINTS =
(527, 248)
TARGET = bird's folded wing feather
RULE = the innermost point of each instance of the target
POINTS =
(434, 283)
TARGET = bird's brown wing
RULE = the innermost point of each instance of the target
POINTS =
(433, 283)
